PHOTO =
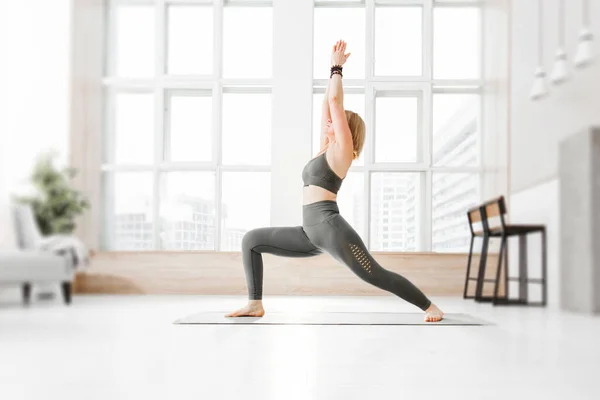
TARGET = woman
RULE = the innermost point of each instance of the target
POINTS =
(323, 228)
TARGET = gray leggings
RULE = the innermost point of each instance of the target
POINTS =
(323, 230)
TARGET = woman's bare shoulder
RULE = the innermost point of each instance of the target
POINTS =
(339, 159)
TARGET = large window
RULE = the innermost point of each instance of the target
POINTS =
(415, 77)
(188, 123)
(189, 148)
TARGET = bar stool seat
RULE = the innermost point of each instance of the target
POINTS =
(512, 230)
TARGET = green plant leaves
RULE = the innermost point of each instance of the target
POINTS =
(57, 204)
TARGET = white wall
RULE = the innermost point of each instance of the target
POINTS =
(36, 62)
(86, 99)
(34, 91)
(292, 112)
(537, 128)
(6, 236)
(495, 98)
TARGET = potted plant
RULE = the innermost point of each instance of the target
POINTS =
(56, 204)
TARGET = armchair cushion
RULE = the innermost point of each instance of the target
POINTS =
(25, 266)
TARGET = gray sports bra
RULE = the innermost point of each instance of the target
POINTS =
(317, 172)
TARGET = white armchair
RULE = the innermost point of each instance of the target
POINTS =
(25, 263)
(26, 268)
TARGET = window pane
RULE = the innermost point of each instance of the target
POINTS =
(187, 211)
(395, 211)
(247, 129)
(135, 41)
(134, 128)
(455, 129)
(452, 195)
(190, 40)
(191, 128)
(129, 224)
(396, 129)
(331, 25)
(398, 41)
(456, 33)
(246, 206)
(352, 102)
(247, 42)
(351, 201)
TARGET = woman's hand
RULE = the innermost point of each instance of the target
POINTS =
(338, 56)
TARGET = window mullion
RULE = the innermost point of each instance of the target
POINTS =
(167, 110)
(427, 126)
(427, 44)
(367, 208)
(370, 40)
(159, 118)
(218, 40)
(426, 211)
(217, 115)
(369, 156)
(217, 158)
(426, 189)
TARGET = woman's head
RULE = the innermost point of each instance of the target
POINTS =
(357, 128)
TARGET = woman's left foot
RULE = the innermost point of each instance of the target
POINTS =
(433, 314)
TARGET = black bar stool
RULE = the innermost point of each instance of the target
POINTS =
(491, 215)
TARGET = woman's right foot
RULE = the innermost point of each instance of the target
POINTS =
(253, 309)
(433, 314)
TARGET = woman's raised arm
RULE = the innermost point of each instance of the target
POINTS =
(343, 136)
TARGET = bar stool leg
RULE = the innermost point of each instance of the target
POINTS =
(544, 268)
(523, 289)
(498, 271)
(506, 285)
(481, 274)
(468, 268)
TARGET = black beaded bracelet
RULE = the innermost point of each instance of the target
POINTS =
(336, 69)
(336, 72)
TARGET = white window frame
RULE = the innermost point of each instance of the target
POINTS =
(164, 86)
(425, 86)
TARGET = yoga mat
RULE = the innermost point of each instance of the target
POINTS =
(328, 318)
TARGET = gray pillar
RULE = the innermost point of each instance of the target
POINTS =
(579, 169)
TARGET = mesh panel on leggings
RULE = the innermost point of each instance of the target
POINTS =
(361, 257)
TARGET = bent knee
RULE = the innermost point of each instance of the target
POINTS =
(251, 239)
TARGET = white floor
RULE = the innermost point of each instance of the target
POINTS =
(126, 347)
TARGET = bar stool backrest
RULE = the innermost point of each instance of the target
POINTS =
(487, 216)
(475, 220)
(493, 214)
